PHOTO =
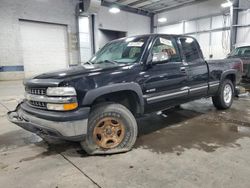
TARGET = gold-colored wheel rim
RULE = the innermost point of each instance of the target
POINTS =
(109, 132)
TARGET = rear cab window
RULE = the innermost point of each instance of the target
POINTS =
(190, 49)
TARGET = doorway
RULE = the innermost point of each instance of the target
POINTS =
(109, 35)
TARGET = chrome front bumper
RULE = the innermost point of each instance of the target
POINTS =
(68, 130)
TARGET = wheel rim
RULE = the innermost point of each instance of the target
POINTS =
(109, 132)
(228, 93)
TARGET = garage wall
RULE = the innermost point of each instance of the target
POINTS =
(245, 4)
(243, 33)
(192, 11)
(51, 11)
(212, 33)
(206, 21)
(131, 23)
(209, 23)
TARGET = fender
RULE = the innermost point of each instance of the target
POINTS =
(227, 72)
(93, 94)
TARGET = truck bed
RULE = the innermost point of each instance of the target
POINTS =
(234, 63)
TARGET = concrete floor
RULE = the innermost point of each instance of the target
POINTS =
(195, 146)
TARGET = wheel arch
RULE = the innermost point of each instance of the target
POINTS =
(132, 91)
(229, 74)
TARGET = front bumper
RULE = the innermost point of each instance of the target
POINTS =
(62, 125)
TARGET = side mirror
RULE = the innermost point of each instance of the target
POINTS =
(160, 57)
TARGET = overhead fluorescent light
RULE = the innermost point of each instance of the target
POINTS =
(162, 20)
(114, 10)
(226, 4)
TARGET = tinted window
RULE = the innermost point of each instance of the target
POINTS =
(190, 49)
(241, 51)
(168, 46)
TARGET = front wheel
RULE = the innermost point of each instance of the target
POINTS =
(224, 99)
(112, 128)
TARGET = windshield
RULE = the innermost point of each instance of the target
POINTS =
(124, 51)
(241, 51)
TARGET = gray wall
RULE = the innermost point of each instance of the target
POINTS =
(131, 23)
(52, 11)
(192, 11)
(245, 4)
(209, 23)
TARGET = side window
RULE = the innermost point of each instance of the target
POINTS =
(165, 50)
(134, 52)
(190, 49)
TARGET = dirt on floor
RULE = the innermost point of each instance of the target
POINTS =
(193, 146)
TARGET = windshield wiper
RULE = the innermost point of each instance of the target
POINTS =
(88, 62)
(108, 61)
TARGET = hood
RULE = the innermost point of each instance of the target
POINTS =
(90, 76)
(80, 70)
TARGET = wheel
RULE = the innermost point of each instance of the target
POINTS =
(224, 99)
(112, 128)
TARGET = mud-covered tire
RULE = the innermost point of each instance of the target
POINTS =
(113, 111)
(224, 98)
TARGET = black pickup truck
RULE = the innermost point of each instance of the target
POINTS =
(96, 103)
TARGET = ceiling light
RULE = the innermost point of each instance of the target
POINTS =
(162, 20)
(114, 10)
(226, 4)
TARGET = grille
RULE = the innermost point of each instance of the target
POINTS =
(38, 104)
(36, 91)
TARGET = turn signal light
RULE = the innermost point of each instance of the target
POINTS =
(70, 106)
(62, 107)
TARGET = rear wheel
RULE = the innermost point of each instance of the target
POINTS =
(224, 98)
(111, 129)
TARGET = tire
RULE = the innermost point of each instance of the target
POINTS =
(112, 128)
(224, 99)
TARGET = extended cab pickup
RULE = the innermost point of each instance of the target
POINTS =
(96, 103)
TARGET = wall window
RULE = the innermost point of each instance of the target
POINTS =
(212, 33)
(85, 39)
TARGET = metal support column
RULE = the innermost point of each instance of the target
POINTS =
(152, 23)
(234, 22)
(92, 30)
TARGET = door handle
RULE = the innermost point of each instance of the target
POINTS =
(185, 88)
(183, 69)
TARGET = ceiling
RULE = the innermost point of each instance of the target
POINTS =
(154, 6)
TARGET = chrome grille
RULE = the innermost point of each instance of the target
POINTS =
(36, 91)
(38, 104)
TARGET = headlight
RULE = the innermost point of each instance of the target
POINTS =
(61, 91)
(62, 107)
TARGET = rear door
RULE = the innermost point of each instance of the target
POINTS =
(197, 69)
(164, 82)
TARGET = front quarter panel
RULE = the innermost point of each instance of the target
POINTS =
(93, 94)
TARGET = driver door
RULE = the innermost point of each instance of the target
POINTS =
(165, 81)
